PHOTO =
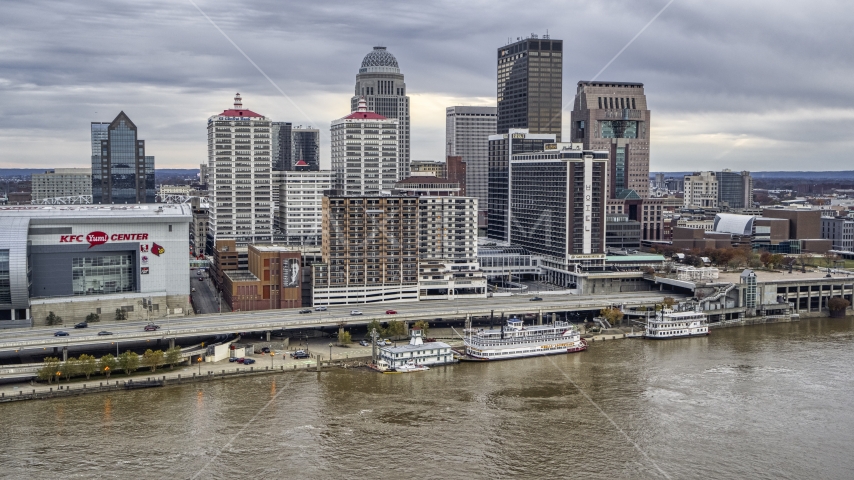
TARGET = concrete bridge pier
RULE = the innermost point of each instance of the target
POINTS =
(171, 343)
(554, 317)
(540, 317)
(268, 335)
(64, 354)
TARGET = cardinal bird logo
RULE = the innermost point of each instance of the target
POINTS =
(157, 249)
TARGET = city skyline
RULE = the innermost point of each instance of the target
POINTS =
(715, 104)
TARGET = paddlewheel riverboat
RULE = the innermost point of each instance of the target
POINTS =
(516, 340)
(670, 324)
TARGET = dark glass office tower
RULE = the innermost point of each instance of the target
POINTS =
(306, 147)
(121, 173)
(613, 116)
(501, 149)
(281, 138)
(530, 88)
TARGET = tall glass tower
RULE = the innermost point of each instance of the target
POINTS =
(121, 172)
(381, 84)
(530, 86)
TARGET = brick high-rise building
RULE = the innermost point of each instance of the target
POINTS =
(613, 116)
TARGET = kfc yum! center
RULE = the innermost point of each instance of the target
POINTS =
(75, 260)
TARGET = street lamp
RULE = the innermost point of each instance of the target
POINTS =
(272, 354)
(330, 352)
(107, 371)
(200, 364)
(58, 374)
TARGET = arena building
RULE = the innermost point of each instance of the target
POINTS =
(76, 260)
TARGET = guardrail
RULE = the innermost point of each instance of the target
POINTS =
(226, 328)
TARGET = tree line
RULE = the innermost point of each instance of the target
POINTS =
(86, 365)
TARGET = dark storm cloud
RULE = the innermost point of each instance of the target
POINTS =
(731, 83)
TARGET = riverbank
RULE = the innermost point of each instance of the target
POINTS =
(319, 349)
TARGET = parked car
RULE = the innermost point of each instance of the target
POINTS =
(320, 308)
(232, 359)
(387, 342)
(61, 334)
(305, 310)
(300, 354)
(248, 361)
(355, 312)
(241, 360)
(535, 299)
(103, 333)
(201, 279)
(266, 350)
(364, 343)
(391, 312)
(81, 325)
(151, 327)
(193, 289)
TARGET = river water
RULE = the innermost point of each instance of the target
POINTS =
(771, 401)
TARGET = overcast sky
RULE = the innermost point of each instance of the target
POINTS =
(757, 85)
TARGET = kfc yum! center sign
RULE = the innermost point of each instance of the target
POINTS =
(100, 238)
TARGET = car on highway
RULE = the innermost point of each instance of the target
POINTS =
(391, 312)
(104, 333)
(305, 310)
(365, 343)
(248, 361)
(535, 299)
(355, 312)
(81, 325)
(151, 327)
(320, 308)
(61, 334)
(300, 354)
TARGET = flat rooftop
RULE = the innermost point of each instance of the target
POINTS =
(90, 211)
(796, 275)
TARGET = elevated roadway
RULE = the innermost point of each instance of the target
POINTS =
(289, 319)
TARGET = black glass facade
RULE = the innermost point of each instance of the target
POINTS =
(121, 173)
(5, 283)
(500, 151)
(539, 207)
(530, 86)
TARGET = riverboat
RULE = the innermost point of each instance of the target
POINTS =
(669, 324)
(516, 340)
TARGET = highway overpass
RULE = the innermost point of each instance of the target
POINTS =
(290, 319)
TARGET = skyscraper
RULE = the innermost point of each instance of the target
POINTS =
(121, 172)
(614, 116)
(381, 84)
(305, 146)
(239, 166)
(530, 86)
(364, 152)
(281, 142)
(735, 189)
(467, 131)
(501, 148)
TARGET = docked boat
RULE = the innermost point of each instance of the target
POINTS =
(411, 367)
(670, 324)
(516, 340)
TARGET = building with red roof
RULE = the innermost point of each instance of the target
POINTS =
(365, 152)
